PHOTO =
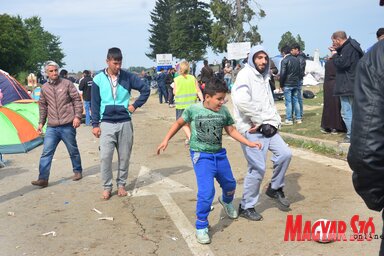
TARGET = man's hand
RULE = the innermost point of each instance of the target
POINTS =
(96, 132)
(253, 129)
(76, 122)
(40, 129)
(131, 108)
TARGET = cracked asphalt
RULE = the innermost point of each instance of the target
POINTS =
(318, 187)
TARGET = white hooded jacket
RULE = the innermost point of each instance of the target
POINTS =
(252, 97)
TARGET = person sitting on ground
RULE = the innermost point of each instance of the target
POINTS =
(209, 158)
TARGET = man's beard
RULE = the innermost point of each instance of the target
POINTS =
(261, 71)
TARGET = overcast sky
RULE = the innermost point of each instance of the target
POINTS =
(87, 28)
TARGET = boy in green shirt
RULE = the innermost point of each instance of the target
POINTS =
(209, 158)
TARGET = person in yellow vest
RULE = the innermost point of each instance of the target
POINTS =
(186, 90)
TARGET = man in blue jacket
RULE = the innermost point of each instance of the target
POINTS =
(111, 118)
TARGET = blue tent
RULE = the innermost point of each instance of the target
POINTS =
(12, 90)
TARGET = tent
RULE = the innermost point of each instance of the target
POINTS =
(17, 134)
(12, 90)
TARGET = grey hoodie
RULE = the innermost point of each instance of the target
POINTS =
(253, 51)
(252, 98)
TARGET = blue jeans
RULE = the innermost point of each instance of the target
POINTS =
(53, 136)
(228, 81)
(291, 102)
(300, 98)
(208, 166)
(346, 112)
(87, 107)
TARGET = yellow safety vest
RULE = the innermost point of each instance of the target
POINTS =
(185, 93)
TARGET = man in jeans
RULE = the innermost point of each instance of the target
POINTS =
(296, 51)
(346, 53)
(289, 82)
(86, 86)
(60, 102)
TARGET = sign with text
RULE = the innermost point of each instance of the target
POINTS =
(238, 50)
(164, 61)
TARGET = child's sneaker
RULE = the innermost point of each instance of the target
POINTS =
(229, 209)
(202, 236)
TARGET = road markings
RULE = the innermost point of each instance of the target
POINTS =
(151, 183)
(328, 161)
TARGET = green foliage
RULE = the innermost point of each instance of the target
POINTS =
(190, 29)
(136, 69)
(44, 45)
(25, 45)
(234, 22)
(14, 44)
(22, 77)
(181, 28)
(160, 28)
(288, 39)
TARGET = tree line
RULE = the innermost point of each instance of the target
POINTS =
(25, 46)
(187, 28)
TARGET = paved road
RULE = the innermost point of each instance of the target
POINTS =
(158, 217)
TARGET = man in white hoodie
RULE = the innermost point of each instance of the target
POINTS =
(257, 119)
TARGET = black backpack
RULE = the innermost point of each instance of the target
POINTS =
(308, 94)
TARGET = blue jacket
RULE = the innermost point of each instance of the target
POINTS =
(161, 79)
(106, 108)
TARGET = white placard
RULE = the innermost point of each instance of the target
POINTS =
(238, 50)
(164, 59)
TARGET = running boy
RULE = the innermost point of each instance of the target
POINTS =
(209, 159)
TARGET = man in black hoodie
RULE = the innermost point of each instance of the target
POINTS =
(346, 53)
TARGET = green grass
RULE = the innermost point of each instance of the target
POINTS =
(310, 128)
(314, 147)
(313, 109)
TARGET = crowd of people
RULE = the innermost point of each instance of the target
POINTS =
(202, 115)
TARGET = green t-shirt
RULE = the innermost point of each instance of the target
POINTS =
(206, 127)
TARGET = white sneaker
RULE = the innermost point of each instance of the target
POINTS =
(202, 236)
(287, 122)
(299, 121)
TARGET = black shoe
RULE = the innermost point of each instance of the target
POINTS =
(278, 195)
(250, 214)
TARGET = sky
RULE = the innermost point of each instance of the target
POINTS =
(88, 28)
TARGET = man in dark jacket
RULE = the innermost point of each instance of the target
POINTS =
(366, 153)
(60, 104)
(206, 73)
(296, 51)
(346, 53)
(86, 86)
(162, 87)
(168, 82)
(289, 82)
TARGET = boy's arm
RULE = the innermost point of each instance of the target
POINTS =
(240, 138)
(172, 131)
